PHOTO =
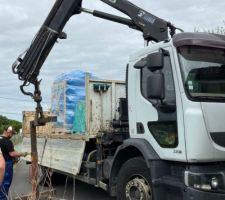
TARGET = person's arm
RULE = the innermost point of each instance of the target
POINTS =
(2, 167)
(16, 154)
(12, 152)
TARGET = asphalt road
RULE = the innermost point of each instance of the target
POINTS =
(22, 185)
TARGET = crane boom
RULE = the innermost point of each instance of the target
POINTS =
(28, 66)
(153, 28)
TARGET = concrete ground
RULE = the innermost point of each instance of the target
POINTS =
(22, 185)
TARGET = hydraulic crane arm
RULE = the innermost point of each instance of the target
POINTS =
(28, 65)
(153, 28)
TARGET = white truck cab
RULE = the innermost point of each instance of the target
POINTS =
(176, 102)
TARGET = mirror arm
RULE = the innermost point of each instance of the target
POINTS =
(164, 51)
(166, 107)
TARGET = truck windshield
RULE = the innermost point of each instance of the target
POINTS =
(203, 72)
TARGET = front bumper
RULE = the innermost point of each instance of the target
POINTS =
(192, 194)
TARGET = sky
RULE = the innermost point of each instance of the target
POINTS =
(93, 45)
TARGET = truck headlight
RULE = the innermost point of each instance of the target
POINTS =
(205, 181)
(214, 182)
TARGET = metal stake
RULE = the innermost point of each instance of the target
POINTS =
(34, 162)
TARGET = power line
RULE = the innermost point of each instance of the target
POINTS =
(10, 113)
(17, 99)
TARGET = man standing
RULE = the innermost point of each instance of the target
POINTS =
(9, 154)
(2, 167)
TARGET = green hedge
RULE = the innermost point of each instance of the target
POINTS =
(4, 121)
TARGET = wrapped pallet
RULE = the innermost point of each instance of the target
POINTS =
(83, 105)
(68, 101)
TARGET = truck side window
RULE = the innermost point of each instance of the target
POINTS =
(164, 130)
(165, 133)
(169, 83)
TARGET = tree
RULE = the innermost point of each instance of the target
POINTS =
(4, 121)
(217, 30)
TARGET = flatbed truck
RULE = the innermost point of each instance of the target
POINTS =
(168, 142)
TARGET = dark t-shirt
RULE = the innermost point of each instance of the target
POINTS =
(6, 146)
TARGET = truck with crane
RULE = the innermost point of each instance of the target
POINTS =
(168, 142)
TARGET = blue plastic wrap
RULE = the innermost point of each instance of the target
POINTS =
(79, 123)
(67, 92)
(73, 78)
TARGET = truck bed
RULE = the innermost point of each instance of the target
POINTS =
(60, 148)
(101, 107)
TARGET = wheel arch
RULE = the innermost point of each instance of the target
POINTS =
(129, 149)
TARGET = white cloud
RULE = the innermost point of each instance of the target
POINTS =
(93, 44)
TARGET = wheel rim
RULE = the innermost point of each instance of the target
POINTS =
(138, 188)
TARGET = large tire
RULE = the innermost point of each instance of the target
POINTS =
(134, 181)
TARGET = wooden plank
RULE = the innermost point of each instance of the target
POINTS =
(108, 81)
(28, 116)
(88, 103)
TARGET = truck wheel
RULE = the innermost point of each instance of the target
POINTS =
(134, 180)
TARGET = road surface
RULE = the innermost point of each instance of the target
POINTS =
(22, 185)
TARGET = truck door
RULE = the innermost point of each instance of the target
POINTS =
(159, 121)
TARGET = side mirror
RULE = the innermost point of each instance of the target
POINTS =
(155, 61)
(156, 86)
(140, 64)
